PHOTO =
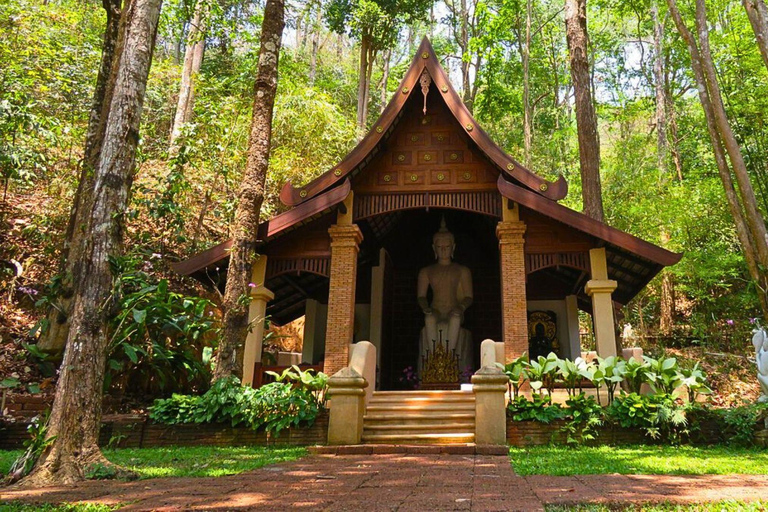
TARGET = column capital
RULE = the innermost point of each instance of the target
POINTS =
(510, 230)
(600, 286)
(345, 235)
(262, 293)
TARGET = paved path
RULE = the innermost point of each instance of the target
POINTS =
(397, 482)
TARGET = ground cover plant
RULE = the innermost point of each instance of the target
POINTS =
(640, 460)
(187, 461)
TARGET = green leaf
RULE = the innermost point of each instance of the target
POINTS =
(139, 316)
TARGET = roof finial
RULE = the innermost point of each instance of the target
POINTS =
(425, 82)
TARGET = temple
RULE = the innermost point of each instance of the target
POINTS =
(348, 252)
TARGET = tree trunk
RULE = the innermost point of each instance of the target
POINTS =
(193, 60)
(362, 86)
(746, 239)
(386, 57)
(250, 196)
(76, 415)
(527, 114)
(754, 218)
(667, 306)
(315, 46)
(55, 337)
(758, 18)
(586, 121)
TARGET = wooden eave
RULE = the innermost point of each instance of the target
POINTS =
(271, 229)
(425, 58)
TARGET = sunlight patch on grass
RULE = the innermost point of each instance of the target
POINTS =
(200, 461)
(186, 461)
(642, 460)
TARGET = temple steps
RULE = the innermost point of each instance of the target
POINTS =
(420, 417)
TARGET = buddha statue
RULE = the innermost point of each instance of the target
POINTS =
(451, 286)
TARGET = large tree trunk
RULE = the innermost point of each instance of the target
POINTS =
(758, 18)
(705, 86)
(586, 120)
(76, 415)
(193, 60)
(386, 57)
(667, 306)
(527, 110)
(362, 86)
(251, 196)
(55, 336)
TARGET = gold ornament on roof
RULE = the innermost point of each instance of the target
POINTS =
(303, 193)
(510, 167)
(425, 80)
(401, 157)
(387, 178)
(444, 88)
(454, 156)
(467, 176)
(337, 172)
(425, 55)
(440, 177)
(427, 157)
(470, 127)
(543, 187)
(379, 129)
(405, 90)
(414, 177)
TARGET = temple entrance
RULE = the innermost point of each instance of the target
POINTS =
(403, 243)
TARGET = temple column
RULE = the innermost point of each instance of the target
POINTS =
(257, 311)
(514, 315)
(600, 289)
(345, 241)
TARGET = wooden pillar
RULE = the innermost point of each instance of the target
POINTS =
(345, 241)
(514, 314)
(257, 311)
(600, 289)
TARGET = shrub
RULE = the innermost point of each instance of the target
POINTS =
(658, 415)
(585, 415)
(540, 409)
(273, 407)
(741, 422)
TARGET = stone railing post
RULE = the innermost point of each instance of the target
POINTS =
(490, 385)
(346, 390)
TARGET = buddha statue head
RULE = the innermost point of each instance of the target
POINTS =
(443, 243)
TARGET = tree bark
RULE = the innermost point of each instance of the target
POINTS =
(193, 60)
(315, 45)
(55, 337)
(362, 85)
(527, 114)
(386, 57)
(586, 120)
(757, 12)
(746, 239)
(76, 415)
(250, 196)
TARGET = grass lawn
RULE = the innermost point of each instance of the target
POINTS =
(188, 461)
(647, 460)
(719, 506)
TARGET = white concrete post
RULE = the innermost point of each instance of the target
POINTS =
(600, 289)
(257, 310)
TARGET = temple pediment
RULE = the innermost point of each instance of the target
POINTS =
(432, 142)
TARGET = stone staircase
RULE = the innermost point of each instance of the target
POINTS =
(420, 417)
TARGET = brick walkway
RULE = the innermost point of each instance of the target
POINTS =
(400, 482)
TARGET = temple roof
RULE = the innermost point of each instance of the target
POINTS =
(425, 59)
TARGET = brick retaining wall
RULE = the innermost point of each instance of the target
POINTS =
(136, 431)
(534, 433)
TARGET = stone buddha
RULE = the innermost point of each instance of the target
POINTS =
(451, 286)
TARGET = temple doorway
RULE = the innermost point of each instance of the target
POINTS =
(402, 242)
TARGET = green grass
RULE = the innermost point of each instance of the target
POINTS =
(188, 461)
(718, 506)
(642, 460)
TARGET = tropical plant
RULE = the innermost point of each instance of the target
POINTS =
(610, 373)
(584, 415)
(542, 373)
(695, 381)
(658, 415)
(540, 408)
(273, 407)
(573, 373)
(636, 374)
(663, 375)
(314, 383)
(34, 446)
(515, 370)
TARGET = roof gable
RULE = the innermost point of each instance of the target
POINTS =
(425, 59)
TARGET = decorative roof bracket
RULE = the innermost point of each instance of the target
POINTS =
(425, 80)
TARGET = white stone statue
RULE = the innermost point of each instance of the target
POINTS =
(451, 285)
(760, 342)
